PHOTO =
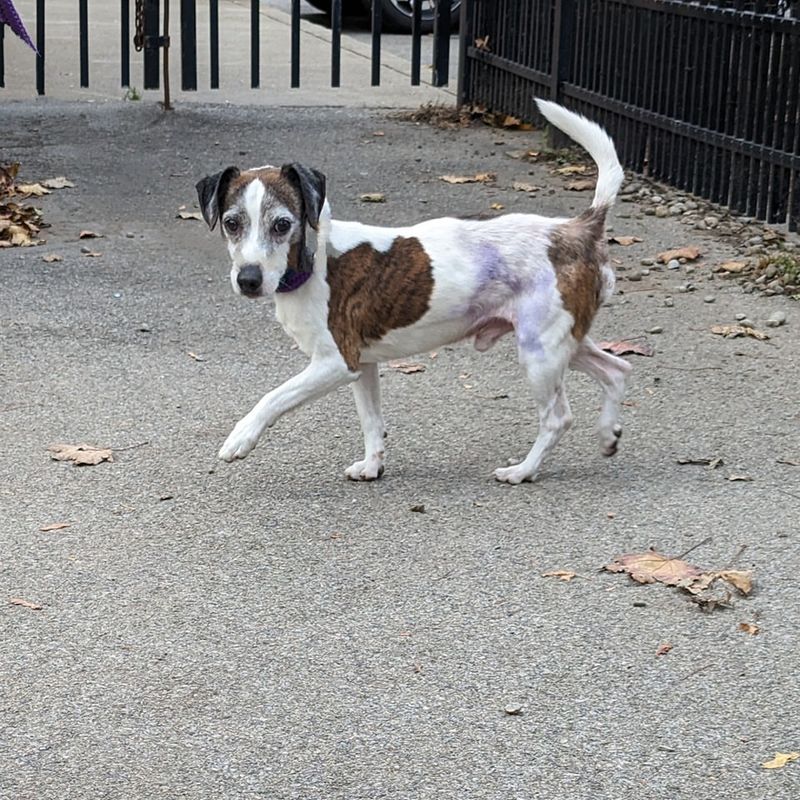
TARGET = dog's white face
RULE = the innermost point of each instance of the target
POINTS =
(263, 215)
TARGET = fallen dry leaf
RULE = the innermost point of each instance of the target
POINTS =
(406, 367)
(735, 476)
(749, 627)
(561, 574)
(35, 189)
(92, 253)
(51, 258)
(734, 331)
(18, 601)
(497, 206)
(195, 356)
(58, 183)
(711, 463)
(790, 462)
(190, 215)
(652, 566)
(55, 526)
(372, 197)
(690, 253)
(780, 760)
(521, 186)
(664, 649)
(625, 241)
(572, 169)
(742, 580)
(626, 347)
(480, 177)
(81, 455)
(733, 266)
(482, 43)
(90, 235)
(582, 185)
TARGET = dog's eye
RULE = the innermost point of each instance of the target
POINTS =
(231, 224)
(282, 225)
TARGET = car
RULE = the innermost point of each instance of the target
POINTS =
(396, 14)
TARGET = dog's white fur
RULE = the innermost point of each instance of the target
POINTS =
(529, 301)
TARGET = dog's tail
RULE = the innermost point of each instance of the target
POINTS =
(596, 142)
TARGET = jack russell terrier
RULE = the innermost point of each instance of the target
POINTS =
(352, 295)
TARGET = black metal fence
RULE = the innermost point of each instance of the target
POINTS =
(703, 96)
(149, 27)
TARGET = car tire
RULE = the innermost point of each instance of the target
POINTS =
(397, 16)
(349, 7)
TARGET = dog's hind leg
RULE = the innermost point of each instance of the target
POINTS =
(367, 394)
(610, 372)
(546, 374)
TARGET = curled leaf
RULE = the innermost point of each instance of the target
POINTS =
(652, 566)
(372, 197)
(19, 601)
(690, 253)
(627, 347)
(480, 177)
(734, 331)
(80, 455)
(561, 574)
(780, 760)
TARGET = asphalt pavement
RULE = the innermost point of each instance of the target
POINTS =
(268, 629)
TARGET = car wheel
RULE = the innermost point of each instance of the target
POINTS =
(349, 7)
(397, 14)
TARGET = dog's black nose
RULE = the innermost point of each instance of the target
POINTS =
(249, 279)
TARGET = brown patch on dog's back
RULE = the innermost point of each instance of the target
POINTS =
(578, 250)
(373, 293)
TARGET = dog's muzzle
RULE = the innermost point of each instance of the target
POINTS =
(249, 280)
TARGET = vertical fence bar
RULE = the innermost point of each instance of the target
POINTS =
(376, 44)
(189, 45)
(416, 39)
(563, 40)
(124, 43)
(441, 43)
(2, 56)
(152, 18)
(295, 44)
(336, 43)
(255, 45)
(464, 90)
(83, 36)
(213, 36)
(40, 46)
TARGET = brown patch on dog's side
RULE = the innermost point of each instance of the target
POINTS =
(578, 250)
(373, 293)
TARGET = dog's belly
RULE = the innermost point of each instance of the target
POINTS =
(418, 338)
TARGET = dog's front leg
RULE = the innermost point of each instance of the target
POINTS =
(321, 376)
(367, 394)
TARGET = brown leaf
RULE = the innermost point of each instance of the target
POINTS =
(92, 253)
(734, 331)
(521, 186)
(372, 197)
(742, 580)
(735, 476)
(711, 463)
(497, 206)
(55, 526)
(90, 235)
(80, 454)
(582, 185)
(480, 177)
(734, 266)
(18, 601)
(780, 760)
(482, 43)
(690, 253)
(625, 241)
(58, 183)
(406, 367)
(195, 356)
(749, 627)
(627, 347)
(190, 215)
(561, 574)
(652, 566)
(664, 649)
(52, 257)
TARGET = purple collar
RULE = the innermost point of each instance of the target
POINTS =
(293, 279)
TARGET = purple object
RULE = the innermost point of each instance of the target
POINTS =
(10, 17)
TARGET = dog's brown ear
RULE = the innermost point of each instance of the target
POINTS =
(211, 190)
(312, 189)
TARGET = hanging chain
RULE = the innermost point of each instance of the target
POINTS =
(138, 36)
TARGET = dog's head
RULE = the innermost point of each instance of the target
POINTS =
(263, 215)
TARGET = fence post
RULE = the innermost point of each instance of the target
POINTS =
(464, 35)
(152, 25)
(563, 44)
(188, 45)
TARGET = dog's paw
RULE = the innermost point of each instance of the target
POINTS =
(370, 469)
(514, 475)
(240, 442)
(609, 440)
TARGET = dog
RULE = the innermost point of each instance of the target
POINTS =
(353, 295)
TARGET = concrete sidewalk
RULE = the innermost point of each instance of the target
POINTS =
(269, 630)
(63, 75)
